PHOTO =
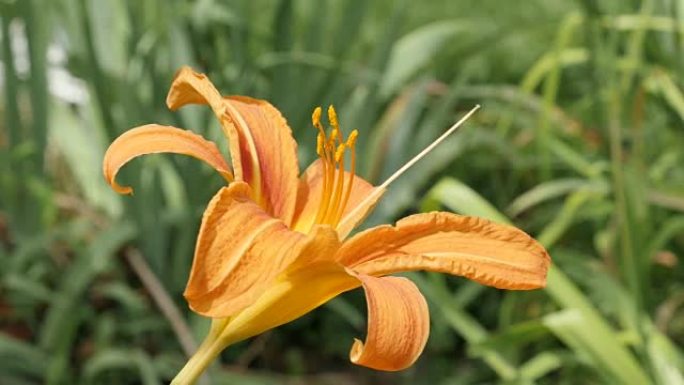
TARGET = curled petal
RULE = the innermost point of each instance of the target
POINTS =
(154, 138)
(240, 250)
(262, 148)
(492, 254)
(190, 87)
(309, 200)
(398, 324)
(266, 139)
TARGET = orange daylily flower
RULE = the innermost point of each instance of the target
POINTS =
(274, 245)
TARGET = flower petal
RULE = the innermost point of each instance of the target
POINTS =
(294, 293)
(190, 87)
(309, 199)
(154, 138)
(492, 254)
(273, 175)
(263, 151)
(240, 250)
(398, 324)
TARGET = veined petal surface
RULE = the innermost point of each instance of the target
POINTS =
(190, 87)
(273, 173)
(398, 324)
(240, 250)
(263, 151)
(492, 254)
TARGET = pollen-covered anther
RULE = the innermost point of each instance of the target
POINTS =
(351, 139)
(316, 117)
(331, 149)
(332, 118)
(339, 154)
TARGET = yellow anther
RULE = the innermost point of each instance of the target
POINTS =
(351, 139)
(339, 153)
(332, 117)
(331, 146)
(316, 117)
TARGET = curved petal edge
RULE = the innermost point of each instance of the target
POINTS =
(154, 138)
(398, 324)
(489, 253)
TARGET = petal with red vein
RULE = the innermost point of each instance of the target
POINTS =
(262, 148)
(273, 173)
(190, 87)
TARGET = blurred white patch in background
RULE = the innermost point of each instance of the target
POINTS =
(61, 84)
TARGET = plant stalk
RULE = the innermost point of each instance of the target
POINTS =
(210, 348)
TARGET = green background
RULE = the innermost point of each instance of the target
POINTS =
(579, 141)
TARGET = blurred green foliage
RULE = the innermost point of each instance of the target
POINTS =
(579, 142)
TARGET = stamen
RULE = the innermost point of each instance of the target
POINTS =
(351, 144)
(332, 118)
(320, 139)
(316, 117)
(339, 153)
(325, 194)
(316, 120)
(329, 172)
(351, 140)
(323, 152)
(333, 136)
(379, 189)
(339, 185)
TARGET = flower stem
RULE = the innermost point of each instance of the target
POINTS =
(198, 363)
(210, 348)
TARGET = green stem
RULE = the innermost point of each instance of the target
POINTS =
(198, 363)
(212, 346)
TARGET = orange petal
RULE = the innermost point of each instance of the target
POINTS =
(240, 250)
(262, 148)
(190, 87)
(154, 138)
(492, 254)
(309, 199)
(398, 324)
(274, 169)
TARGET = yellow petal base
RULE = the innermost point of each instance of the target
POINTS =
(294, 294)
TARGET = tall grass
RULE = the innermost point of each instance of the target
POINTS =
(579, 142)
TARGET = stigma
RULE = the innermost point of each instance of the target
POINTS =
(332, 148)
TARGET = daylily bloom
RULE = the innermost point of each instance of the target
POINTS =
(274, 245)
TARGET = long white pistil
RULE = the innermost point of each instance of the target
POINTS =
(409, 164)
